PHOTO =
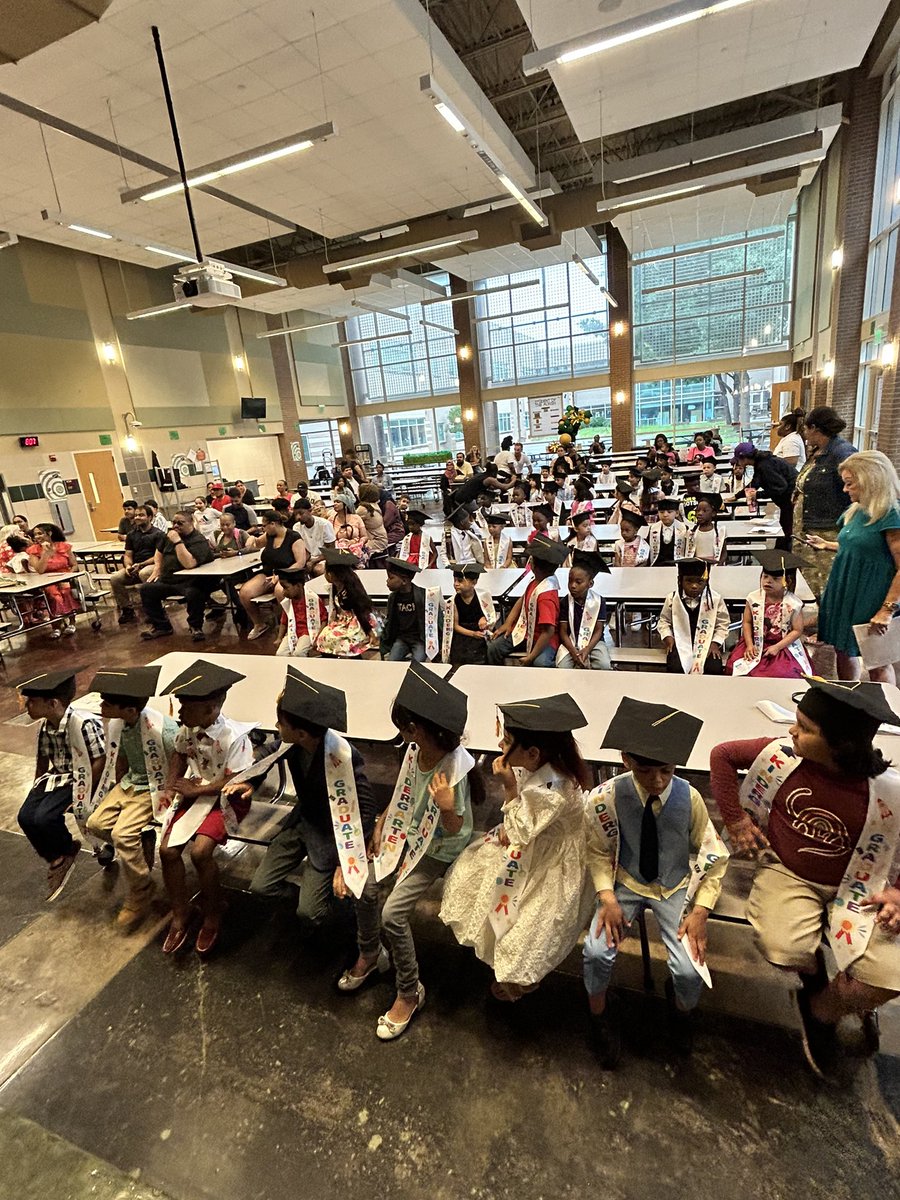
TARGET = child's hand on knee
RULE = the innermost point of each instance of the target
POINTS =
(610, 919)
(694, 925)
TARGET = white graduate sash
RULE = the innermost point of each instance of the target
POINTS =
(693, 653)
(789, 605)
(290, 637)
(588, 544)
(520, 516)
(485, 599)
(84, 797)
(155, 764)
(525, 626)
(655, 540)
(432, 608)
(558, 509)
(396, 834)
(588, 619)
(176, 833)
(642, 555)
(509, 885)
(343, 802)
(874, 863)
(313, 595)
(602, 802)
(405, 550)
(495, 552)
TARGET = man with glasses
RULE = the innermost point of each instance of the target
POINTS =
(182, 549)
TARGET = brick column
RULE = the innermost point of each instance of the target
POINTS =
(289, 399)
(469, 369)
(621, 357)
(859, 149)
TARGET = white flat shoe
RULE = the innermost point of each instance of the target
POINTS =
(349, 983)
(387, 1029)
(257, 632)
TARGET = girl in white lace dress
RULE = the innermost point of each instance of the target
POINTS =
(520, 896)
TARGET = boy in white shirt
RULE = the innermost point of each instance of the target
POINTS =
(709, 480)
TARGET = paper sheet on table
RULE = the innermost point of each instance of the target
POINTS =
(701, 968)
(878, 649)
(775, 712)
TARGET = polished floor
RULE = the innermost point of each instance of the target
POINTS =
(125, 1074)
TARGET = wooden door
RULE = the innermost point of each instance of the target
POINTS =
(785, 398)
(102, 490)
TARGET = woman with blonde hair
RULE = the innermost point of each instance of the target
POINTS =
(864, 584)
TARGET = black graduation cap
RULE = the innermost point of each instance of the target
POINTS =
(692, 567)
(590, 560)
(584, 515)
(623, 487)
(399, 566)
(45, 683)
(416, 515)
(652, 475)
(544, 509)
(548, 550)
(636, 518)
(497, 518)
(313, 701)
(549, 486)
(339, 558)
(427, 695)
(471, 570)
(138, 683)
(201, 679)
(692, 477)
(776, 562)
(864, 697)
(548, 714)
(287, 576)
(714, 500)
(653, 731)
(668, 504)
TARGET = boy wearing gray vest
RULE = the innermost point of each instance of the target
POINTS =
(643, 828)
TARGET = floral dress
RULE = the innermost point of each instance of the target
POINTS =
(60, 597)
(344, 635)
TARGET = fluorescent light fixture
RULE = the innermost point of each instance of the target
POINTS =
(837, 258)
(414, 250)
(377, 337)
(478, 210)
(107, 237)
(671, 16)
(610, 298)
(379, 234)
(450, 116)
(522, 312)
(686, 283)
(475, 295)
(585, 269)
(158, 310)
(442, 103)
(271, 333)
(256, 157)
(530, 207)
(607, 205)
(177, 255)
(443, 328)
(247, 272)
(382, 312)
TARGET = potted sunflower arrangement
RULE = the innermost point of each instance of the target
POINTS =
(570, 424)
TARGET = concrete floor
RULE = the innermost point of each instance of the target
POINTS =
(124, 1074)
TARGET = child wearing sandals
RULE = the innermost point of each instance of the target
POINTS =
(424, 829)
(520, 896)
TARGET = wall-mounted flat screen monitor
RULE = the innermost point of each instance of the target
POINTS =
(253, 408)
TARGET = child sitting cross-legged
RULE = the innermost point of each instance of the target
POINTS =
(582, 617)
(642, 829)
(534, 618)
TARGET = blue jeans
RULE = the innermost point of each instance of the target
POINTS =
(404, 652)
(499, 648)
(599, 958)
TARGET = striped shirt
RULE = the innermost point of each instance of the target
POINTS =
(53, 745)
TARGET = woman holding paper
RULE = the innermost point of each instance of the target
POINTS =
(864, 585)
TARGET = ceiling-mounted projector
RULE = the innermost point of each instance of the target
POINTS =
(205, 285)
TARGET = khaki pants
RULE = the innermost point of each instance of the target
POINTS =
(119, 818)
(120, 581)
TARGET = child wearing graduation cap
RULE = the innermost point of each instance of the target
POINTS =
(293, 638)
(631, 550)
(69, 764)
(667, 537)
(498, 550)
(582, 537)
(542, 522)
(349, 629)
(327, 829)
(624, 503)
(209, 749)
(551, 496)
(426, 825)
(823, 804)
(519, 508)
(469, 616)
(461, 540)
(519, 896)
(417, 547)
(694, 623)
(772, 627)
(642, 828)
(582, 617)
(704, 537)
(534, 618)
(139, 744)
(411, 624)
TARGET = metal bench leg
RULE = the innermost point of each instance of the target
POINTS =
(645, 951)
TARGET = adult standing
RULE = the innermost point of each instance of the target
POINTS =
(819, 498)
(520, 464)
(864, 585)
(773, 478)
(791, 446)
(503, 457)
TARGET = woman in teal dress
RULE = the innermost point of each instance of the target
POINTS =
(864, 585)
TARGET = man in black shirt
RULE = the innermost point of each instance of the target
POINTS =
(126, 523)
(244, 518)
(181, 549)
(141, 544)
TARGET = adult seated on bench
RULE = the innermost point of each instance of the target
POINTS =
(182, 549)
(141, 543)
(831, 807)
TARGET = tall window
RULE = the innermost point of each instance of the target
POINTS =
(885, 208)
(556, 328)
(714, 298)
(740, 400)
(396, 359)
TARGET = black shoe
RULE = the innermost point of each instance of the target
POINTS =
(150, 634)
(197, 635)
(126, 616)
(871, 1032)
(606, 1039)
(105, 855)
(681, 1023)
(819, 1039)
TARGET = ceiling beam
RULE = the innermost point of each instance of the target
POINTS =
(496, 43)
